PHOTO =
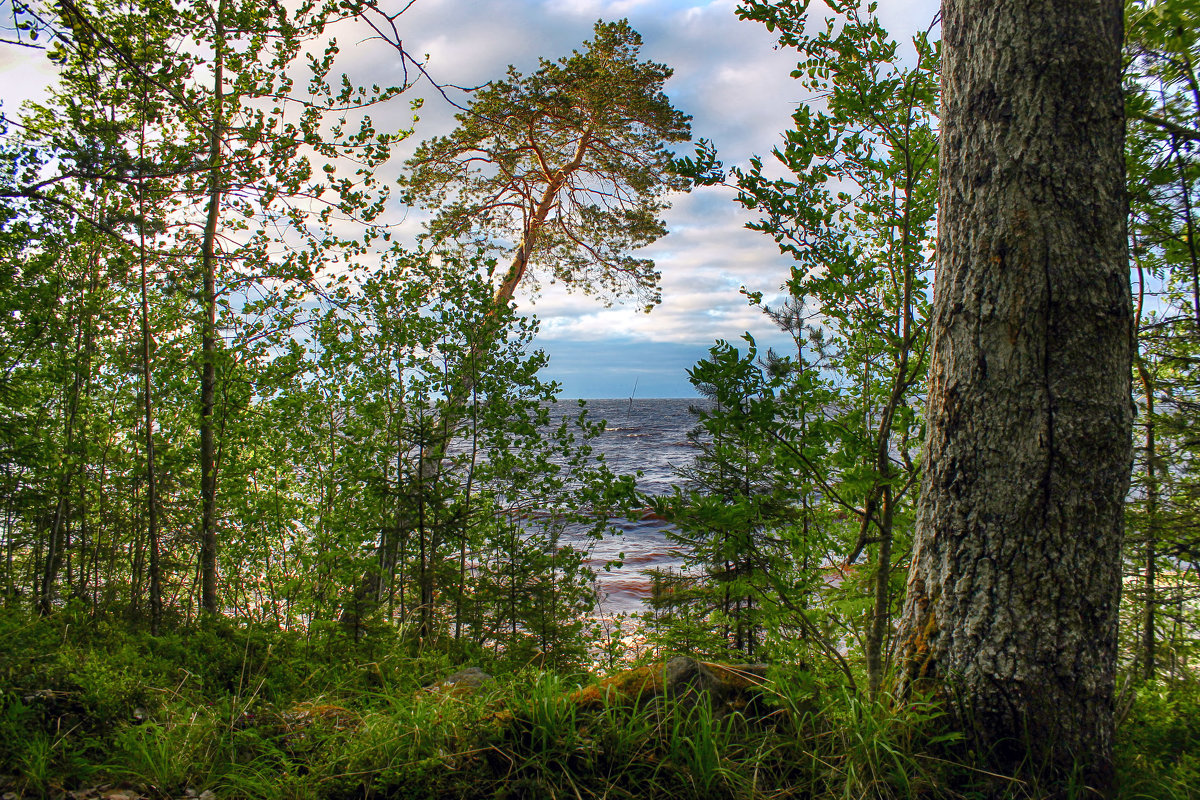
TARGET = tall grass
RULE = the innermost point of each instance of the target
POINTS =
(261, 715)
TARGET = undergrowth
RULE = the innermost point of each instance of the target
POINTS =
(248, 712)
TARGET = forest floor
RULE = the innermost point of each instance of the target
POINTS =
(92, 711)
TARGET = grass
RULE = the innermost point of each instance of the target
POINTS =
(252, 713)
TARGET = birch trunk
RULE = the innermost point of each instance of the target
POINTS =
(208, 338)
(1015, 578)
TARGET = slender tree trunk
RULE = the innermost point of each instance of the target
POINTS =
(57, 540)
(464, 517)
(425, 555)
(151, 475)
(879, 510)
(1016, 573)
(881, 615)
(208, 339)
(1185, 194)
(137, 558)
(1150, 575)
(53, 559)
(10, 483)
(147, 395)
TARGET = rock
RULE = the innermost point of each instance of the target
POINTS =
(685, 680)
(628, 686)
(465, 680)
(54, 703)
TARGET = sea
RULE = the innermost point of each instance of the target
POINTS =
(649, 436)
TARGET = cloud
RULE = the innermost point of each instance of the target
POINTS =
(732, 80)
(728, 76)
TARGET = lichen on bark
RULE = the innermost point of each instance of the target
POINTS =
(1015, 577)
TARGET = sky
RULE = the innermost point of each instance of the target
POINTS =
(729, 77)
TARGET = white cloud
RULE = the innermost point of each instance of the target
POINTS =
(728, 76)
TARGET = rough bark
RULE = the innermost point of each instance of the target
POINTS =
(1015, 579)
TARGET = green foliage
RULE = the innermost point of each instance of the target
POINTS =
(111, 197)
(161, 755)
(394, 497)
(1160, 622)
(367, 411)
(744, 521)
(823, 442)
(1157, 746)
(453, 504)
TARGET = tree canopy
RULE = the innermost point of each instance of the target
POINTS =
(564, 170)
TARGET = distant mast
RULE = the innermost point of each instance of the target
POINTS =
(633, 393)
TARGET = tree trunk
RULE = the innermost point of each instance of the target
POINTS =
(1016, 573)
(151, 475)
(208, 338)
(1185, 194)
(877, 633)
(56, 542)
(1150, 576)
(147, 393)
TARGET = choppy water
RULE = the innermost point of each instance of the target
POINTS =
(649, 435)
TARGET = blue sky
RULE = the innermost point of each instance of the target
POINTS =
(728, 76)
